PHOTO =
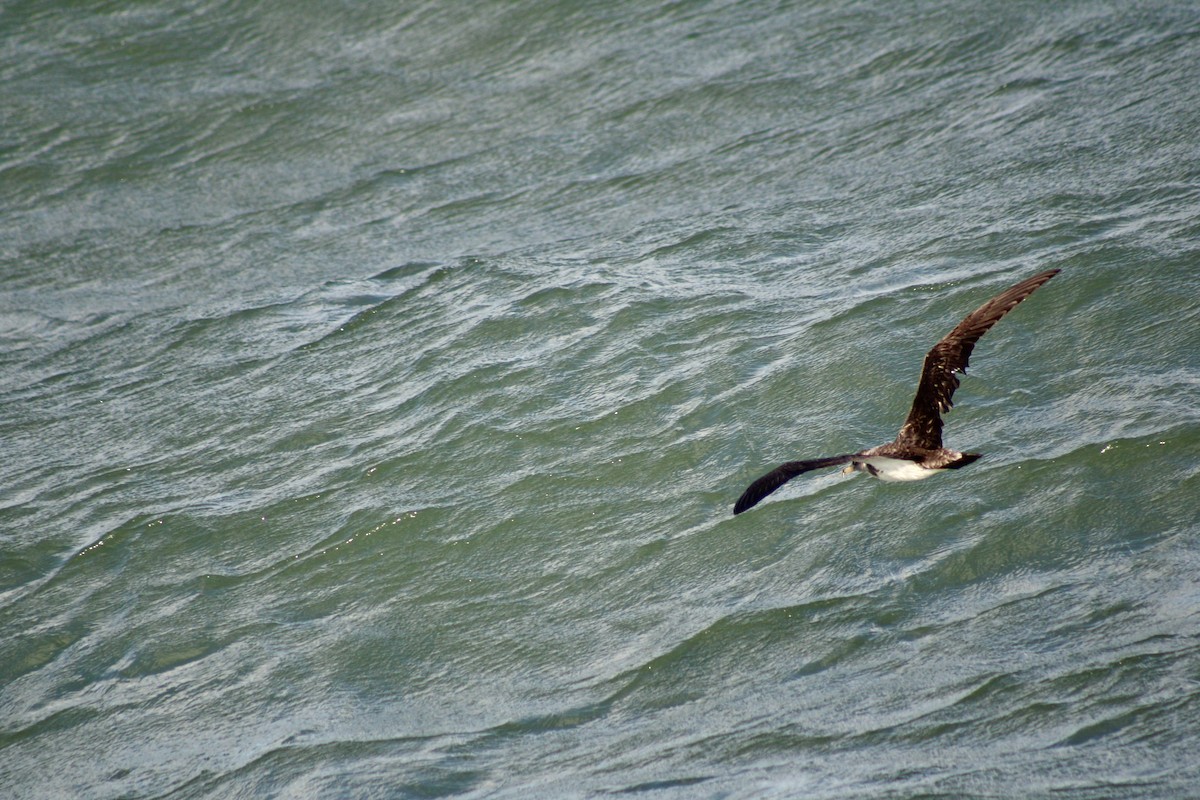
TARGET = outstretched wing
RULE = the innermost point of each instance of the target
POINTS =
(923, 428)
(781, 475)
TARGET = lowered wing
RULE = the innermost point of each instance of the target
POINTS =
(781, 475)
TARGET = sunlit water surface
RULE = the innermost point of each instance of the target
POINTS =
(376, 381)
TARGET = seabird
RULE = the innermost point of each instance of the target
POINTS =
(917, 451)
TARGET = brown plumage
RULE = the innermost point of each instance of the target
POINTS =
(917, 451)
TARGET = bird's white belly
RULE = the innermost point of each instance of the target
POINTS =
(897, 469)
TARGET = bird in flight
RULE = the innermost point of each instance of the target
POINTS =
(917, 451)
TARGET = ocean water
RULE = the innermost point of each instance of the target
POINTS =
(376, 381)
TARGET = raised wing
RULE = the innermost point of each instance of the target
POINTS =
(923, 428)
(781, 475)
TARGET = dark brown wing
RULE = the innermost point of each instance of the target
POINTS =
(923, 428)
(781, 475)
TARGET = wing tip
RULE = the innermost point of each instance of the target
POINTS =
(744, 503)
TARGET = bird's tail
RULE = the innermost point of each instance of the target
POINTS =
(963, 459)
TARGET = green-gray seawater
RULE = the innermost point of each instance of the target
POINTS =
(376, 381)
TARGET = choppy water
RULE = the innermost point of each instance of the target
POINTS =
(376, 381)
